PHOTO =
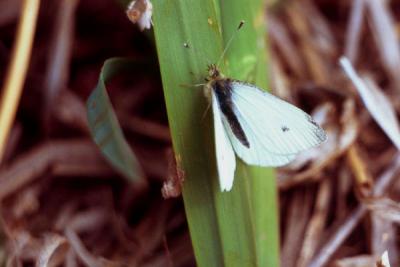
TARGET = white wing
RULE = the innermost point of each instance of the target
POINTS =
(253, 155)
(226, 161)
(275, 129)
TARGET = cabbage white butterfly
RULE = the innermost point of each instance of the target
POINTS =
(260, 128)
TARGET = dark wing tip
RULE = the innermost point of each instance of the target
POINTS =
(320, 134)
(318, 131)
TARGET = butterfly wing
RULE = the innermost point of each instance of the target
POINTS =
(226, 161)
(275, 129)
(253, 155)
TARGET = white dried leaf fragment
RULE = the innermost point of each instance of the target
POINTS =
(140, 12)
(385, 259)
(377, 103)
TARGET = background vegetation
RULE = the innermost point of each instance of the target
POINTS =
(63, 204)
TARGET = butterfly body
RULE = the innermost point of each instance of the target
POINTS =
(223, 92)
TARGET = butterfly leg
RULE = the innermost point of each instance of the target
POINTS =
(205, 112)
(192, 85)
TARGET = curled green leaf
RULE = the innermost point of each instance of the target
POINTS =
(104, 127)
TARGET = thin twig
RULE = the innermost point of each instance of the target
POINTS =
(354, 29)
(34, 163)
(16, 74)
(59, 57)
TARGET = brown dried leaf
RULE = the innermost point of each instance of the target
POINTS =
(384, 261)
(81, 251)
(316, 224)
(362, 175)
(280, 38)
(297, 219)
(356, 261)
(383, 237)
(140, 12)
(385, 35)
(384, 208)
(376, 102)
(172, 187)
(354, 29)
(34, 163)
(51, 243)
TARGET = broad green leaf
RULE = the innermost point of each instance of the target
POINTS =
(247, 60)
(104, 126)
(237, 228)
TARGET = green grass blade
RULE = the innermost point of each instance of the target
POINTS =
(238, 228)
(104, 126)
(247, 60)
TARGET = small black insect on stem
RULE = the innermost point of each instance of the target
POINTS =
(241, 23)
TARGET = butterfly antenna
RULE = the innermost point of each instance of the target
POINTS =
(230, 41)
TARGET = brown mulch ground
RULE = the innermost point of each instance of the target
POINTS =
(60, 199)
